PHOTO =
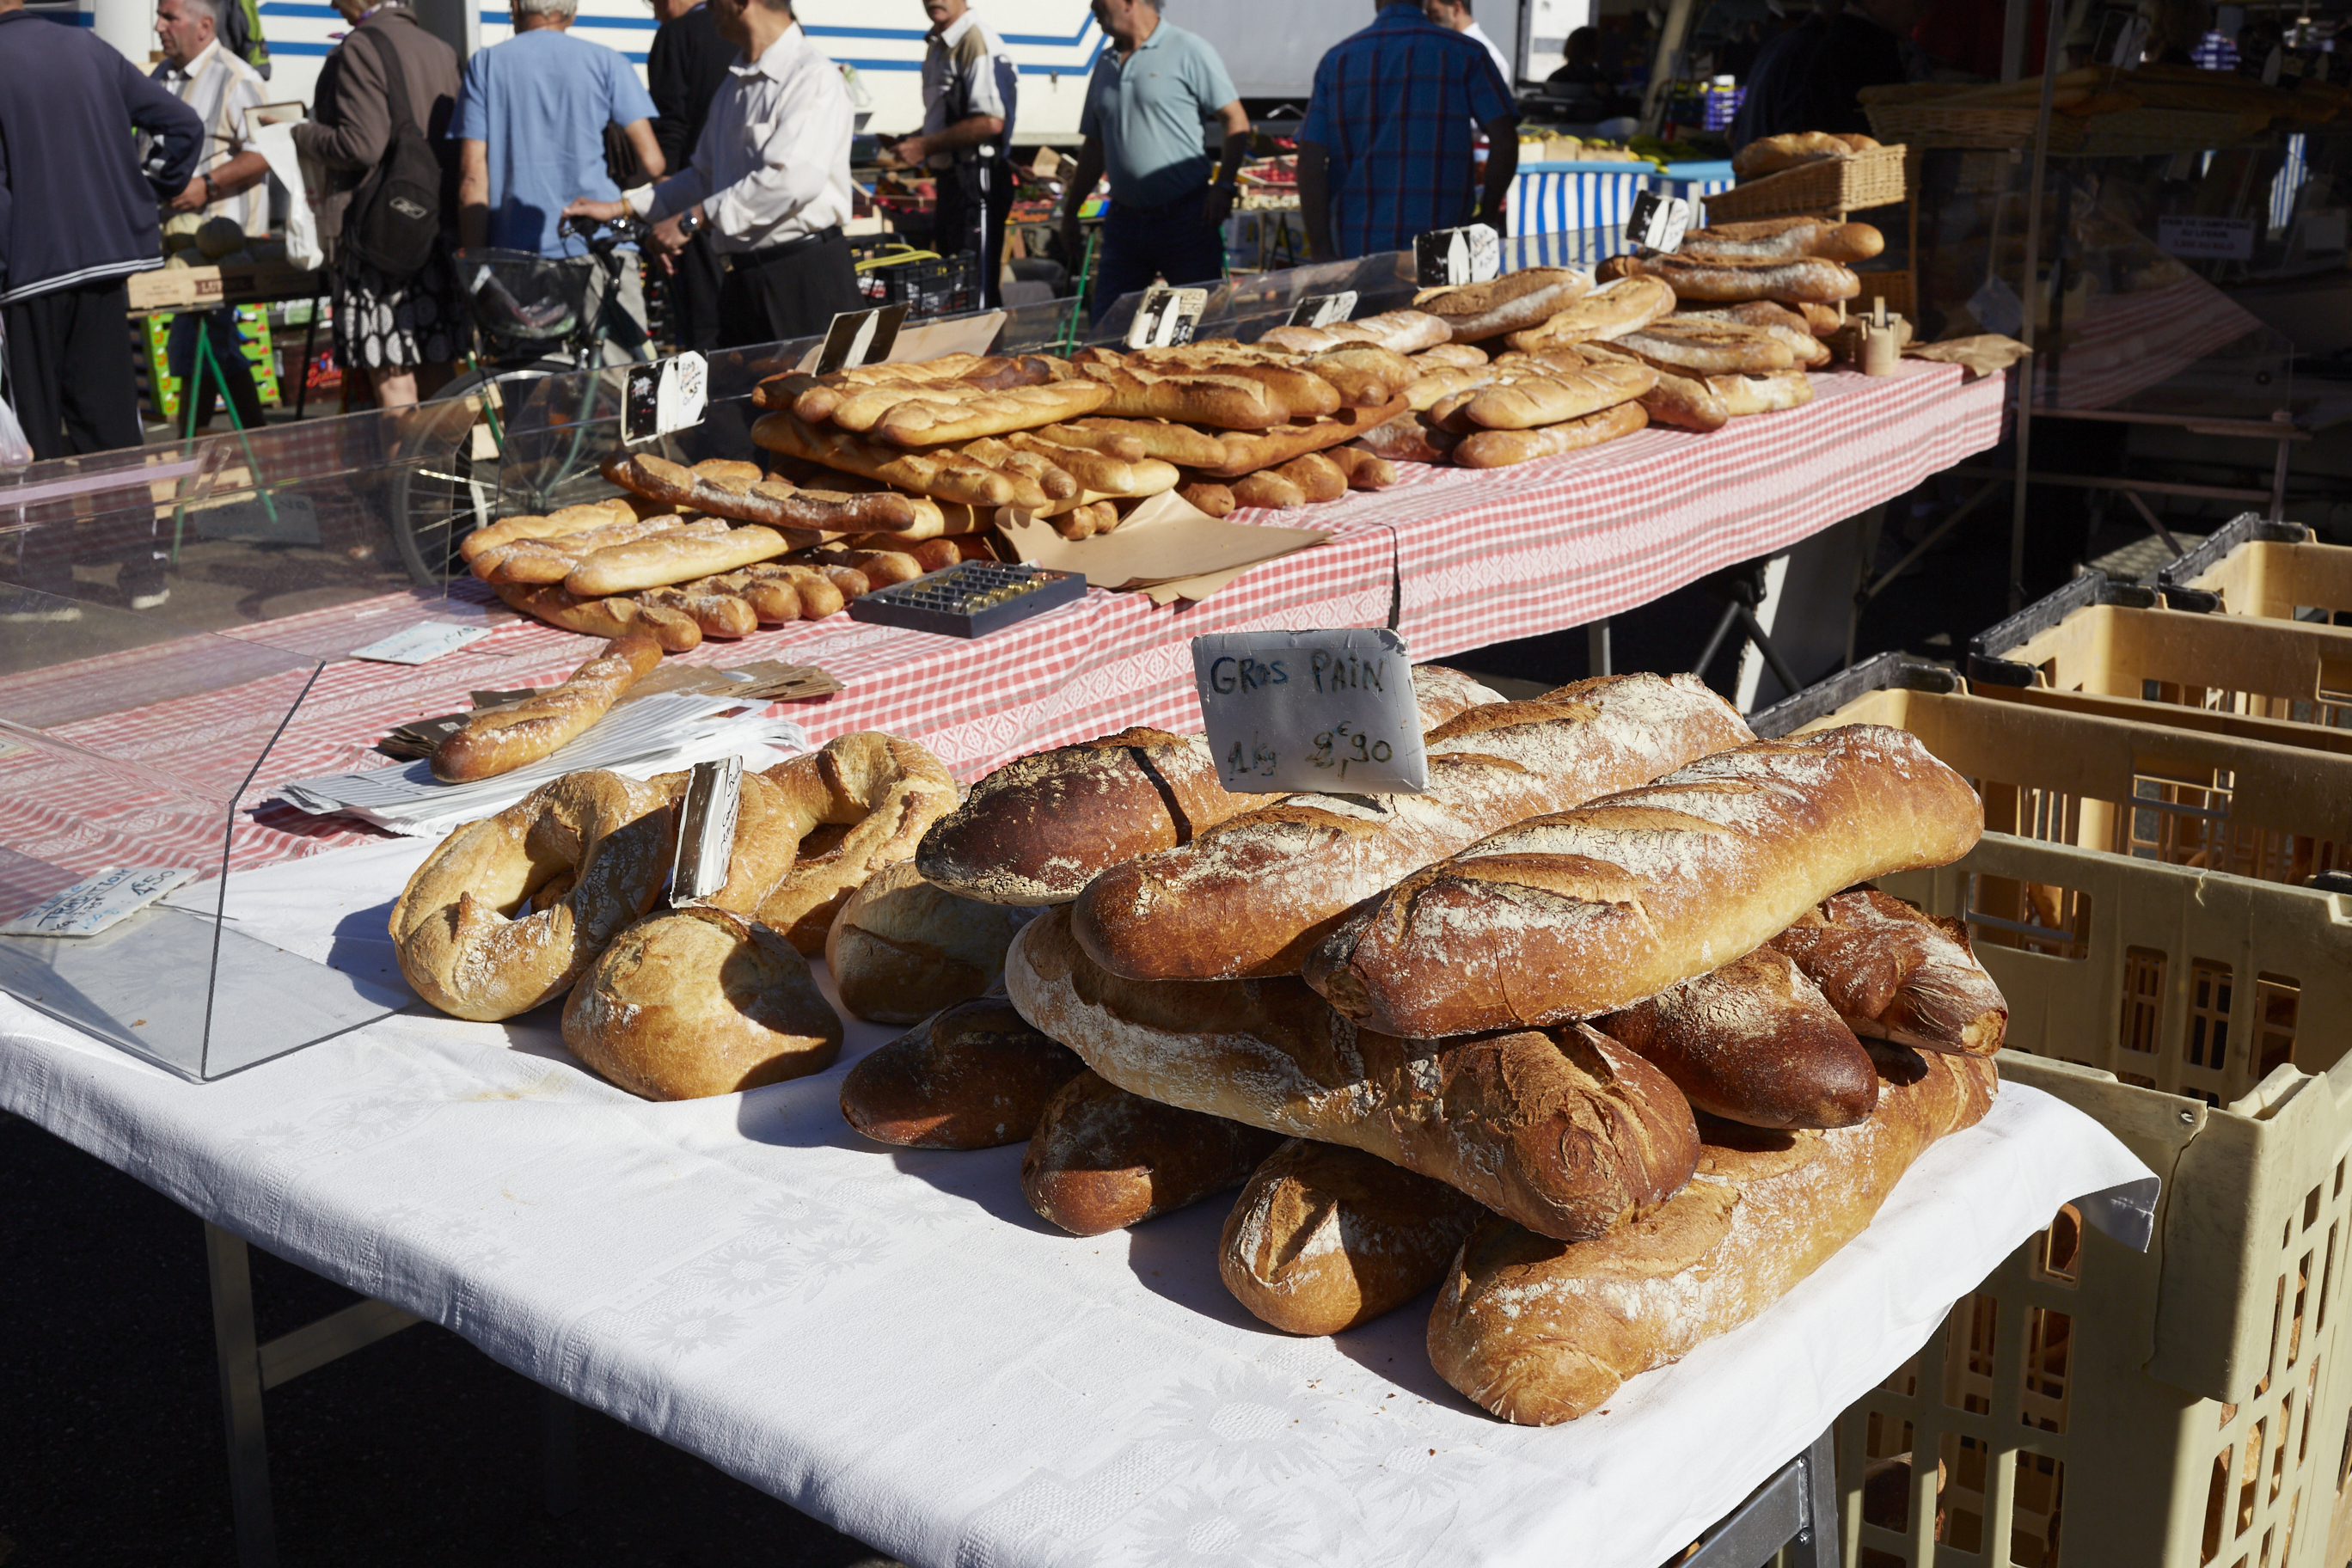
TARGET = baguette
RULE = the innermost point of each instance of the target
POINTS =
(1270, 488)
(1783, 240)
(675, 557)
(1199, 397)
(1451, 356)
(1756, 1042)
(1501, 448)
(948, 476)
(973, 1077)
(1510, 303)
(1588, 911)
(1039, 828)
(1171, 442)
(570, 519)
(1102, 1159)
(1563, 1129)
(1252, 896)
(1214, 499)
(932, 421)
(1317, 477)
(1540, 1332)
(1819, 283)
(1325, 1238)
(1398, 332)
(1894, 974)
(1363, 470)
(818, 594)
(1366, 374)
(602, 618)
(1770, 154)
(1113, 442)
(1681, 401)
(489, 745)
(1303, 395)
(716, 612)
(737, 490)
(773, 601)
(1246, 452)
(1300, 339)
(1612, 310)
(1790, 331)
(1409, 437)
(1707, 348)
(1553, 396)
(551, 560)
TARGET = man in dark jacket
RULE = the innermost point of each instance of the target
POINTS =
(80, 218)
(685, 67)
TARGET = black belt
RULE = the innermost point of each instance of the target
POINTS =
(778, 252)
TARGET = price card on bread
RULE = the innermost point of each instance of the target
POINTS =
(1450, 257)
(665, 396)
(1322, 712)
(1656, 222)
(1167, 318)
(1323, 310)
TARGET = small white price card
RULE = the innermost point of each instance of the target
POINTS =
(421, 644)
(1167, 318)
(664, 397)
(1656, 222)
(87, 908)
(860, 337)
(2207, 238)
(1449, 257)
(1331, 712)
(1322, 309)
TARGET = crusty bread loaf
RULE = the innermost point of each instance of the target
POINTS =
(1325, 1238)
(1754, 1041)
(697, 1001)
(1707, 348)
(1822, 282)
(1771, 154)
(1564, 1129)
(1767, 393)
(1588, 911)
(1178, 444)
(1502, 449)
(738, 491)
(1510, 303)
(1898, 975)
(901, 948)
(1409, 437)
(1529, 399)
(1778, 322)
(669, 558)
(1540, 1331)
(1684, 401)
(603, 616)
(1037, 830)
(1253, 895)
(1197, 397)
(973, 1077)
(1102, 1159)
(1783, 240)
(1610, 310)
(1248, 452)
(489, 745)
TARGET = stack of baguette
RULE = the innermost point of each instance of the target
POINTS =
(1605, 1023)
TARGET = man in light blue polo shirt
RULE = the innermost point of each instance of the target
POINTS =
(1152, 91)
(529, 129)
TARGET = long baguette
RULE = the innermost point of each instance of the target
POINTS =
(551, 560)
(1246, 452)
(489, 745)
(1708, 348)
(1254, 895)
(1783, 240)
(933, 421)
(1540, 1331)
(1038, 829)
(669, 558)
(1821, 282)
(947, 477)
(1563, 1129)
(1501, 448)
(1199, 397)
(1790, 331)
(602, 618)
(1531, 402)
(1325, 1238)
(1102, 1159)
(1511, 303)
(738, 491)
(1684, 402)
(1611, 310)
(1588, 911)
(1169, 442)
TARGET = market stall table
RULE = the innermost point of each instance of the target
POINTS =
(890, 1340)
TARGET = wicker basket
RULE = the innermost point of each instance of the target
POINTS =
(1871, 179)
(1899, 290)
(1928, 123)
(2144, 132)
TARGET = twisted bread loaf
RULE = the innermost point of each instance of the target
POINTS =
(1564, 1129)
(1039, 828)
(1539, 1331)
(1588, 911)
(1253, 895)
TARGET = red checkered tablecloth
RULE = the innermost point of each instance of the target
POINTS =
(1474, 558)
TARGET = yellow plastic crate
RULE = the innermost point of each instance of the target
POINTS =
(2274, 571)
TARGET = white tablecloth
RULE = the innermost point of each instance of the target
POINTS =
(891, 1341)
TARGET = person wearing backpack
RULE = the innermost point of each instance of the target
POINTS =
(387, 214)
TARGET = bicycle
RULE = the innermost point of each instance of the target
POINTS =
(538, 316)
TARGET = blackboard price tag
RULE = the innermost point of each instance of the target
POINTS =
(860, 337)
(1322, 309)
(1327, 713)
(1449, 257)
(1656, 222)
(664, 397)
(1167, 318)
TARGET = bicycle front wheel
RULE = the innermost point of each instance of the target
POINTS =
(446, 481)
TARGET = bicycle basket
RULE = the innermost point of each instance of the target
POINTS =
(520, 298)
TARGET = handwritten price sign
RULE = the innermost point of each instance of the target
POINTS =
(1327, 712)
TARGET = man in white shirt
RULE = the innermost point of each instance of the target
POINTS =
(769, 179)
(231, 181)
(969, 92)
(1455, 13)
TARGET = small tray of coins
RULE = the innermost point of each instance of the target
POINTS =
(969, 599)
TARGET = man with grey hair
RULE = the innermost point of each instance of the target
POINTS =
(531, 136)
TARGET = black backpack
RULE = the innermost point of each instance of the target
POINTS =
(394, 218)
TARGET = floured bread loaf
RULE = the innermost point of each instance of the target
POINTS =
(1754, 1041)
(1540, 1331)
(1037, 830)
(900, 949)
(1898, 975)
(1325, 1238)
(1253, 895)
(972, 1077)
(1102, 1159)
(1588, 911)
(1563, 1129)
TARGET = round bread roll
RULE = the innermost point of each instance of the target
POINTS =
(901, 948)
(973, 1078)
(695, 1002)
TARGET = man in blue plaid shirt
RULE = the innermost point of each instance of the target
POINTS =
(1384, 154)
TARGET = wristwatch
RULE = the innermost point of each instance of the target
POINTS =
(688, 222)
(211, 192)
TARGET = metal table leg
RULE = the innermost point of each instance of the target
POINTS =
(1796, 1510)
(240, 1374)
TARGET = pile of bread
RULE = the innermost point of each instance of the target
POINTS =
(1777, 154)
(1599, 1035)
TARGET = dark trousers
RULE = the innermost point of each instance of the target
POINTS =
(694, 283)
(793, 294)
(69, 373)
(968, 221)
(228, 369)
(1140, 244)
